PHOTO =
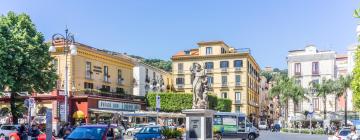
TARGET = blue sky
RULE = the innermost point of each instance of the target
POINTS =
(160, 28)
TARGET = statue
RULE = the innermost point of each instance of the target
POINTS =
(199, 87)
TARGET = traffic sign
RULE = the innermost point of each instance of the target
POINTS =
(157, 103)
(32, 102)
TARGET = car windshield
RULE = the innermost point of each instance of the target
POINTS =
(262, 123)
(92, 133)
(147, 130)
(8, 127)
(344, 132)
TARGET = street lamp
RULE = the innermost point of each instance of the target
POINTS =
(68, 43)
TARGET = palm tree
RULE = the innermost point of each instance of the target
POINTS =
(297, 94)
(340, 87)
(323, 89)
(282, 90)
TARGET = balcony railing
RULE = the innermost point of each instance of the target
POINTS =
(237, 68)
(223, 69)
(297, 73)
(102, 94)
(237, 101)
(209, 70)
(180, 71)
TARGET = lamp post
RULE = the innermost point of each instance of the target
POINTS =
(68, 43)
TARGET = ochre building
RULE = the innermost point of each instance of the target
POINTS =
(232, 74)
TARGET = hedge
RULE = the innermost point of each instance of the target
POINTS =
(304, 130)
(176, 102)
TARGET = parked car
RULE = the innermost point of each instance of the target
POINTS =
(7, 129)
(15, 136)
(150, 132)
(96, 132)
(263, 125)
(342, 135)
(133, 130)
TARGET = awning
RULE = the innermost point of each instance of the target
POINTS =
(78, 115)
(108, 111)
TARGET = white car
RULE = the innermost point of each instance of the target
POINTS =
(263, 125)
(133, 130)
(7, 129)
(343, 133)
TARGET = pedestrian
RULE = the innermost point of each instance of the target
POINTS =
(61, 131)
(2, 137)
(34, 132)
(352, 135)
(22, 132)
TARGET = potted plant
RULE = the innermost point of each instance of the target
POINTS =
(171, 134)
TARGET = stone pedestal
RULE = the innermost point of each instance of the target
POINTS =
(199, 124)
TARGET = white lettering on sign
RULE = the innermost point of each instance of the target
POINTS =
(118, 106)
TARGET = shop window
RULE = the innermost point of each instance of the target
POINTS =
(120, 90)
(105, 88)
(88, 85)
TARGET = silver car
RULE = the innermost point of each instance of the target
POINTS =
(7, 129)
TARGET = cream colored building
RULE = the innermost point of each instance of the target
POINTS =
(311, 65)
(232, 74)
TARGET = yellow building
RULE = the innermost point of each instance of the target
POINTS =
(94, 69)
(232, 74)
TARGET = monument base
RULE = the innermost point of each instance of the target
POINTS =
(199, 124)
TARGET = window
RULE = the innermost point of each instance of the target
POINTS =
(88, 70)
(187, 52)
(315, 102)
(224, 80)
(223, 50)
(147, 79)
(105, 88)
(106, 73)
(237, 97)
(315, 67)
(238, 63)
(224, 64)
(297, 68)
(55, 63)
(88, 85)
(298, 82)
(297, 107)
(154, 75)
(237, 80)
(180, 81)
(237, 109)
(120, 79)
(224, 95)
(208, 50)
(180, 67)
(120, 90)
(209, 65)
(210, 80)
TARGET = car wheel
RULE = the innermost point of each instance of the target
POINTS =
(218, 136)
(251, 136)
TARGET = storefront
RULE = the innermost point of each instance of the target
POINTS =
(103, 109)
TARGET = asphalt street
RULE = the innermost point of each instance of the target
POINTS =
(267, 135)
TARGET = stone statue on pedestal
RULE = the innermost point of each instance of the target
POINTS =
(199, 87)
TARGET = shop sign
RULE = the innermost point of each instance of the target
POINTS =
(62, 111)
(118, 106)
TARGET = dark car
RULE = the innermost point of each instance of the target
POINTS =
(96, 132)
(150, 132)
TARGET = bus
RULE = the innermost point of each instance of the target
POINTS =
(233, 125)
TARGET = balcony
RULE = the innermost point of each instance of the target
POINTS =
(315, 73)
(180, 71)
(237, 69)
(208, 70)
(94, 92)
(223, 69)
(224, 85)
(237, 102)
(297, 73)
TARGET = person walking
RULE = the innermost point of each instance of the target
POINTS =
(352, 135)
(34, 132)
(22, 132)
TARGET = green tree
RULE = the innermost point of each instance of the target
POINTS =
(341, 85)
(355, 84)
(162, 64)
(282, 89)
(323, 89)
(267, 75)
(25, 64)
(297, 94)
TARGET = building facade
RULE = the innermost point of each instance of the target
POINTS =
(145, 75)
(311, 65)
(232, 74)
